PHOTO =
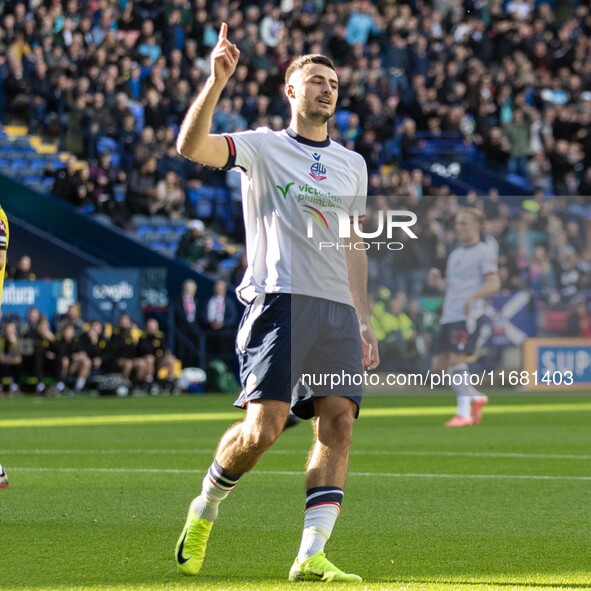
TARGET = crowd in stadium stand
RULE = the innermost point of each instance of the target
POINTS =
(506, 75)
(111, 82)
(66, 360)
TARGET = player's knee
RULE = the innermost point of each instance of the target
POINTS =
(262, 437)
(336, 428)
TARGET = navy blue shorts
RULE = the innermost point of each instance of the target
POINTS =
(289, 346)
(454, 337)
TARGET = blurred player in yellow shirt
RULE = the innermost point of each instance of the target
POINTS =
(4, 235)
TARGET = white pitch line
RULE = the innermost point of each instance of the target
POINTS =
(295, 473)
(420, 453)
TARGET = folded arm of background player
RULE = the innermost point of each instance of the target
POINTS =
(490, 286)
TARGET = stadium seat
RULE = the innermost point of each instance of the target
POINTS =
(160, 220)
(102, 218)
(158, 246)
(228, 264)
(119, 192)
(142, 229)
(342, 119)
(38, 163)
(23, 144)
(18, 163)
(38, 186)
(169, 237)
(140, 220)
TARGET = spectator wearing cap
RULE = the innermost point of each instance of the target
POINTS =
(192, 243)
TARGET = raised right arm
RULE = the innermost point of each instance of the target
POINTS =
(194, 141)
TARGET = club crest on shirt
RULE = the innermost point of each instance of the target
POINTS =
(317, 170)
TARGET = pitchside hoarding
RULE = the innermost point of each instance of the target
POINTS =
(108, 293)
(558, 363)
(51, 297)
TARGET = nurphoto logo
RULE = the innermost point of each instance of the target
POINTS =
(389, 220)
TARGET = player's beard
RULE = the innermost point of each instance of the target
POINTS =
(313, 112)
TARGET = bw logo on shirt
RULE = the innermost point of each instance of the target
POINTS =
(318, 170)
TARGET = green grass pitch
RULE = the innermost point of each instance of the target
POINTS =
(99, 490)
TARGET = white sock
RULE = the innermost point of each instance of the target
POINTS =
(323, 507)
(80, 383)
(463, 389)
(463, 405)
(217, 485)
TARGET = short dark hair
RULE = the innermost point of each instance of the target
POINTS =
(304, 60)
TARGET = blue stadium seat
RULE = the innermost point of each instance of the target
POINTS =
(342, 119)
(151, 236)
(142, 229)
(37, 186)
(169, 237)
(140, 220)
(228, 264)
(158, 245)
(202, 201)
(19, 163)
(119, 192)
(23, 144)
(102, 218)
(160, 220)
(179, 222)
(38, 163)
(9, 171)
(26, 171)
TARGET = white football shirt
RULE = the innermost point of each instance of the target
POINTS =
(465, 272)
(288, 184)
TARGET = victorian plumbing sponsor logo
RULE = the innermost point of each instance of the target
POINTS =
(388, 220)
(123, 290)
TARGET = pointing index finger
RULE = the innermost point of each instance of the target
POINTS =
(223, 31)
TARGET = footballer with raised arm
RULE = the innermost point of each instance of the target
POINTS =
(306, 310)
